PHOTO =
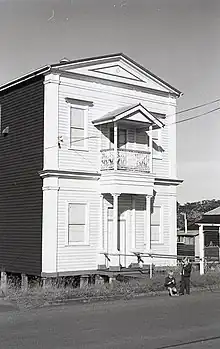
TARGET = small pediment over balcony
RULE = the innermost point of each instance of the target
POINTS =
(137, 114)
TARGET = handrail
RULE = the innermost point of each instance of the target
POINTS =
(127, 150)
(152, 255)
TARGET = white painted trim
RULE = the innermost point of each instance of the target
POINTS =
(102, 231)
(50, 230)
(158, 155)
(125, 115)
(85, 109)
(87, 213)
(69, 174)
(135, 140)
(115, 146)
(151, 148)
(147, 224)
(161, 237)
(201, 249)
(51, 121)
(73, 83)
(133, 223)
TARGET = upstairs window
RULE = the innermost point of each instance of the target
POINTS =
(78, 127)
(157, 149)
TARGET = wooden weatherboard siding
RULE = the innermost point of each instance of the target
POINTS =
(21, 157)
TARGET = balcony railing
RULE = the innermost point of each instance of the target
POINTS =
(129, 160)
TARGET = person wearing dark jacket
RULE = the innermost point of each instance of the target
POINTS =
(170, 284)
(185, 276)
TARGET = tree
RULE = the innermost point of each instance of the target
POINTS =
(194, 211)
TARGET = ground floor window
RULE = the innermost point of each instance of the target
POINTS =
(156, 218)
(77, 223)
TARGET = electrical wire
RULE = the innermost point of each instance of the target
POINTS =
(195, 107)
(193, 117)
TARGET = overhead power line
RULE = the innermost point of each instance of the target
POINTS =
(195, 107)
(195, 117)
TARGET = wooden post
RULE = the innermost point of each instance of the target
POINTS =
(84, 281)
(115, 146)
(24, 282)
(99, 280)
(114, 263)
(111, 279)
(201, 249)
(151, 148)
(101, 257)
(147, 228)
(151, 268)
(4, 283)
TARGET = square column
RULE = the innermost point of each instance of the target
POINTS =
(201, 249)
(115, 146)
(147, 225)
(151, 148)
(115, 263)
(101, 257)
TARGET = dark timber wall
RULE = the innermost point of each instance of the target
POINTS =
(21, 157)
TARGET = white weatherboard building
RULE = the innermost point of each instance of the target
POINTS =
(109, 186)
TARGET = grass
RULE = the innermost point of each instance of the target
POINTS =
(37, 296)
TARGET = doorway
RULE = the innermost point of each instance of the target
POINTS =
(122, 241)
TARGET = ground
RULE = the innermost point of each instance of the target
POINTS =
(187, 322)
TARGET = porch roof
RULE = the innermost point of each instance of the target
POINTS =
(128, 113)
(211, 217)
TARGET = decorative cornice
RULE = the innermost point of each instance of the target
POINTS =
(111, 82)
(167, 181)
(69, 174)
(79, 102)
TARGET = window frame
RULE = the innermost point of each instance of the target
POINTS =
(160, 241)
(85, 113)
(156, 154)
(86, 236)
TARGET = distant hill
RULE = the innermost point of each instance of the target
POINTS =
(194, 211)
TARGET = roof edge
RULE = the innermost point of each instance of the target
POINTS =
(46, 68)
(25, 77)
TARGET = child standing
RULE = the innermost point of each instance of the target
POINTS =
(170, 284)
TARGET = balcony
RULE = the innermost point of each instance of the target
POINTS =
(127, 160)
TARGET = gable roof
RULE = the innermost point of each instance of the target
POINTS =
(211, 217)
(215, 212)
(123, 112)
(99, 59)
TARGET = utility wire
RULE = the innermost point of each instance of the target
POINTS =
(195, 117)
(195, 107)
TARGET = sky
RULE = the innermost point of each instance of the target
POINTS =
(178, 40)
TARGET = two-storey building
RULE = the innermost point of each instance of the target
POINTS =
(88, 167)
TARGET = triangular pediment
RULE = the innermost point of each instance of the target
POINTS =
(117, 71)
(118, 68)
(134, 113)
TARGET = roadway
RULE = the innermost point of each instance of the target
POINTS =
(188, 322)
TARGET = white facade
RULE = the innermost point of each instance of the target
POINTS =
(109, 177)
